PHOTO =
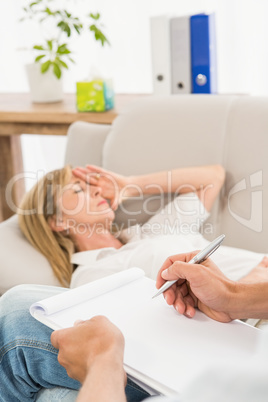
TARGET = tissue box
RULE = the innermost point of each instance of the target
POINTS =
(94, 96)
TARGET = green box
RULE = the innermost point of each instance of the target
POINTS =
(94, 96)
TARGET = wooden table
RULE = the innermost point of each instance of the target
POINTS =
(18, 115)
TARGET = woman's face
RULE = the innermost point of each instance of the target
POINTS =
(82, 204)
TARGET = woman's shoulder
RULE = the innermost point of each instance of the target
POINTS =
(85, 257)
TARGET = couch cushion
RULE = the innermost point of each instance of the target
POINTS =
(161, 133)
(244, 218)
(168, 132)
(20, 261)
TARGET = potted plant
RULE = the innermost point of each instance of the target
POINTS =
(54, 54)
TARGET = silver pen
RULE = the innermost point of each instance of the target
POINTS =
(198, 259)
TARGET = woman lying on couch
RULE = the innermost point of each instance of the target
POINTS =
(66, 216)
(67, 211)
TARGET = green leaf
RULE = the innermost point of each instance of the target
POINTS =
(99, 35)
(95, 16)
(48, 11)
(63, 64)
(66, 51)
(63, 49)
(39, 57)
(37, 47)
(61, 25)
(78, 28)
(72, 60)
(60, 62)
(65, 27)
(92, 28)
(56, 70)
(34, 3)
(68, 30)
(50, 44)
(45, 66)
(67, 14)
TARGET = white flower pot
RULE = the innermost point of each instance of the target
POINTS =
(44, 87)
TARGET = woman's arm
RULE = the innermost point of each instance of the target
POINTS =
(206, 181)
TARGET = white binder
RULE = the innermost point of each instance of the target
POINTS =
(180, 38)
(161, 58)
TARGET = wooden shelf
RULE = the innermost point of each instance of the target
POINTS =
(19, 115)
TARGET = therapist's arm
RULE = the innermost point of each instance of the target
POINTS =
(205, 287)
(92, 353)
(104, 382)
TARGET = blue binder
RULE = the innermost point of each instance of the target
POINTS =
(203, 53)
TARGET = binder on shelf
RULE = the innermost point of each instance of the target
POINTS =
(203, 53)
(180, 39)
(160, 45)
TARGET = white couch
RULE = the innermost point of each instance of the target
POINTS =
(163, 133)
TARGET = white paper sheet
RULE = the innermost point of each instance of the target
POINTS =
(163, 348)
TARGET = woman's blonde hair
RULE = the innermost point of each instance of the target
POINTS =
(37, 207)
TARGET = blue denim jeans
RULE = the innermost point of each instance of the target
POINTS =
(28, 361)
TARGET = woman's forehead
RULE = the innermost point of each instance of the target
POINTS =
(71, 183)
(74, 180)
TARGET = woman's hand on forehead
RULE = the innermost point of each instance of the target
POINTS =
(112, 184)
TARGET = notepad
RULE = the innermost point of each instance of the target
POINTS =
(163, 349)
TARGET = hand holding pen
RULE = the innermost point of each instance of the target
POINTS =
(195, 285)
(197, 259)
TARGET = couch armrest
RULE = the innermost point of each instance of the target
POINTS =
(85, 142)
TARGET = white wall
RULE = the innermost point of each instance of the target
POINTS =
(242, 34)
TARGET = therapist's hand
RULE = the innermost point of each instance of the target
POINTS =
(198, 286)
(114, 186)
(87, 345)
